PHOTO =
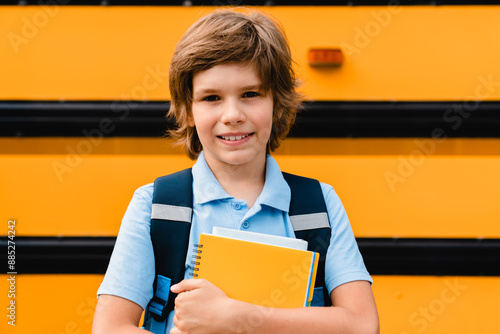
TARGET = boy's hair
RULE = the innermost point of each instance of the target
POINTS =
(229, 36)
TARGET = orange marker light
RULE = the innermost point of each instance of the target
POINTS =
(328, 57)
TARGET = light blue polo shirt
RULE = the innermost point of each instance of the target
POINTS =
(131, 271)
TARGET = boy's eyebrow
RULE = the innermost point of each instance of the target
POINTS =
(206, 91)
(252, 87)
(202, 91)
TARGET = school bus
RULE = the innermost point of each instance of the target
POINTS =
(401, 115)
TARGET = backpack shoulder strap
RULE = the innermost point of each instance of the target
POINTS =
(309, 217)
(170, 225)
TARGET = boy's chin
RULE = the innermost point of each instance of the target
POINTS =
(240, 158)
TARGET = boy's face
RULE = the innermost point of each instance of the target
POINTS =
(232, 115)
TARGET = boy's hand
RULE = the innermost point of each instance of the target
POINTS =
(202, 308)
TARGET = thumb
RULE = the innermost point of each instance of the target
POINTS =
(186, 285)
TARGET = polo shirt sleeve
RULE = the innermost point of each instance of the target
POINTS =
(130, 272)
(344, 262)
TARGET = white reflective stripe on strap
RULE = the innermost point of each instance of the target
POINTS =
(310, 221)
(171, 212)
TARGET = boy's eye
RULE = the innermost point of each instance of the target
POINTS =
(211, 98)
(251, 94)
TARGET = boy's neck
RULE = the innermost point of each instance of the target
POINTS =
(240, 181)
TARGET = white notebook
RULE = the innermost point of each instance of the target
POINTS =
(262, 238)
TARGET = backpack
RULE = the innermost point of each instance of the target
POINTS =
(171, 223)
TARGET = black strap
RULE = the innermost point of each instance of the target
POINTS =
(170, 238)
(307, 198)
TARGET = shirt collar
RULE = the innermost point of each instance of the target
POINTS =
(276, 192)
(205, 185)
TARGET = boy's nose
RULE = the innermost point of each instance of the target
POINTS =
(232, 113)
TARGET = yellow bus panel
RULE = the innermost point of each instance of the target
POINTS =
(407, 194)
(64, 304)
(437, 305)
(417, 53)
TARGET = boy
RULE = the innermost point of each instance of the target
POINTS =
(233, 96)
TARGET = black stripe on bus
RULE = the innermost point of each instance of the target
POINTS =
(327, 119)
(189, 3)
(382, 256)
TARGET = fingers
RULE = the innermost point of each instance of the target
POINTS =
(176, 330)
(187, 285)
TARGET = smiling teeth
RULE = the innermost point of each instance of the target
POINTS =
(234, 137)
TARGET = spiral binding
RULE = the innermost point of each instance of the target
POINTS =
(196, 257)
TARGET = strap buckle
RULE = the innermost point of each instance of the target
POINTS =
(158, 305)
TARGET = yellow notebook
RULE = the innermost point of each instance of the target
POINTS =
(257, 273)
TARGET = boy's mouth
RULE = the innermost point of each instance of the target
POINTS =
(232, 138)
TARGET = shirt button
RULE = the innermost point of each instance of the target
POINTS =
(245, 225)
(237, 206)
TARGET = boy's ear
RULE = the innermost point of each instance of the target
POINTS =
(190, 120)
